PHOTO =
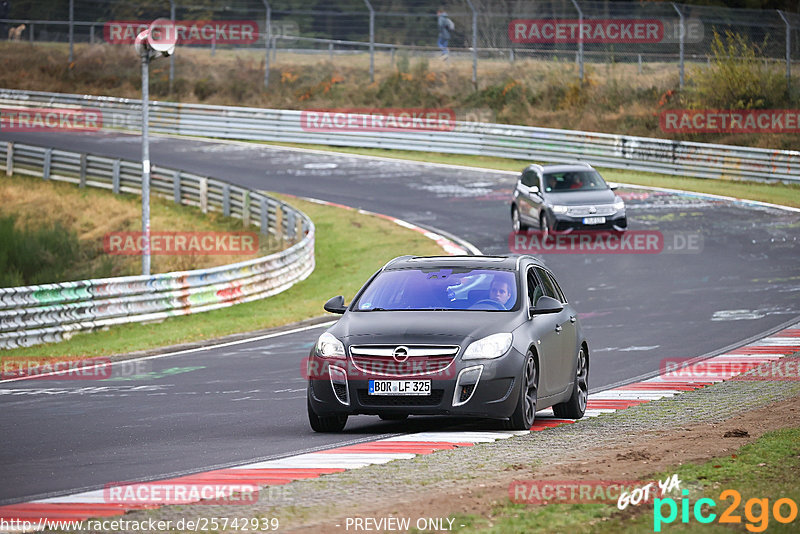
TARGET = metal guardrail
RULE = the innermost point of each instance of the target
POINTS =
(51, 312)
(521, 142)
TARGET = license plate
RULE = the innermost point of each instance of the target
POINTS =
(399, 387)
(594, 220)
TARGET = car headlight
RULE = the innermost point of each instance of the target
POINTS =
(559, 209)
(329, 347)
(488, 347)
(619, 204)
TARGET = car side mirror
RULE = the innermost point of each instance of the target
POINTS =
(534, 189)
(613, 186)
(335, 305)
(546, 305)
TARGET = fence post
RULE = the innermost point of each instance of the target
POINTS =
(30, 34)
(580, 38)
(682, 37)
(371, 41)
(91, 35)
(82, 183)
(788, 54)
(267, 41)
(330, 50)
(71, 30)
(48, 158)
(10, 158)
(171, 56)
(474, 44)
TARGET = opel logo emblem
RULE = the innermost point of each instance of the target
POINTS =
(592, 210)
(400, 354)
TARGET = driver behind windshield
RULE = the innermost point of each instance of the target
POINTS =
(500, 292)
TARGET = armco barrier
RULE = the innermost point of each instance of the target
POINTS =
(521, 142)
(47, 313)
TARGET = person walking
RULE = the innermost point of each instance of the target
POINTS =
(445, 26)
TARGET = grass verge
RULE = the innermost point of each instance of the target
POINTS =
(776, 193)
(349, 248)
(768, 468)
(90, 214)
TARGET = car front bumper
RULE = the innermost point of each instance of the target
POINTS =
(494, 395)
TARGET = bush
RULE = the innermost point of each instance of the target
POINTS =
(739, 77)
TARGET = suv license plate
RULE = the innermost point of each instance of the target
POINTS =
(594, 220)
(399, 387)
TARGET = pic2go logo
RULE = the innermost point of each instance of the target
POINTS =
(756, 511)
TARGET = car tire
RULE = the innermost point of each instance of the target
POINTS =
(325, 423)
(525, 411)
(393, 416)
(575, 407)
(544, 226)
(516, 221)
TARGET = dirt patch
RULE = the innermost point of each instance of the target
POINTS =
(642, 455)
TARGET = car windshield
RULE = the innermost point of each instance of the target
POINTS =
(587, 180)
(440, 289)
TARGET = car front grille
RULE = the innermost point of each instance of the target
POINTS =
(413, 360)
(434, 399)
(603, 210)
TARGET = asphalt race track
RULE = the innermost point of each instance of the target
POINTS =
(240, 403)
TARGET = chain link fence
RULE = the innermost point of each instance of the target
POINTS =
(580, 31)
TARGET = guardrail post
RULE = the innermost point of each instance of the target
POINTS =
(288, 216)
(330, 51)
(91, 34)
(10, 158)
(204, 195)
(264, 216)
(115, 177)
(48, 157)
(30, 34)
(226, 199)
(176, 187)
(82, 183)
(246, 208)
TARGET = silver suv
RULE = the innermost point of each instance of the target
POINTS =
(559, 198)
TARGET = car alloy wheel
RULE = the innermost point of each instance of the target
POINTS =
(575, 407)
(525, 412)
